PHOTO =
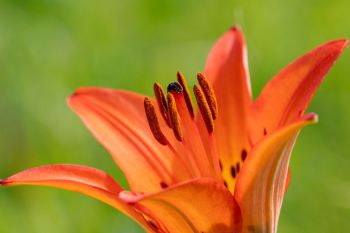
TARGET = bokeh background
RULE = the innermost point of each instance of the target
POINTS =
(48, 48)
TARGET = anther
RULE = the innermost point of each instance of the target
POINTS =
(174, 116)
(182, 81)
(153, 122)
(204, 108)
(175, 87)
(209, 94)
(163, 108)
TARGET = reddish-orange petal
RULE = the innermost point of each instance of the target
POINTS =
(262, 181)
(287, 95)
(118, 121)
(227, 69)
(287, 180)
(200, 205)
(89, 181)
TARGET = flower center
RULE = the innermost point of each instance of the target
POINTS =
(197, 154)
(205, 98)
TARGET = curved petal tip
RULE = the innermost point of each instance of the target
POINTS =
(235, 28)
(343, 42)
(77, 93)
(311, 117)
(336, 46)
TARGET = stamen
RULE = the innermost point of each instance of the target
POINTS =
(163, 108)
(182, 81)
(173, 114)
(153, 122)
(204, 108)
(209, 94)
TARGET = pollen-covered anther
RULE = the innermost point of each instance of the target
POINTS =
(209, 94)
(161, 100)
(153, 122)
(174, 116)
(187, 96)
(204, 108)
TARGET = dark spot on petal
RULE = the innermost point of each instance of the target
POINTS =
(225, 183)
(265, 131)
(220, 164)
(233, 172)
(244, 154)
(152, 224)
(238, 167)
(163, 185)
(175, 87)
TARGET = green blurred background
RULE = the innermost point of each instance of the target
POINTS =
(48, 48)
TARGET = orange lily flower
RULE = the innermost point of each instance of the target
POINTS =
(222, 169)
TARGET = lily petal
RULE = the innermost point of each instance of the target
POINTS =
(118, 121)
(196, 206)
(287, 95)
(89, 181)
(262, 181)
(227, 69)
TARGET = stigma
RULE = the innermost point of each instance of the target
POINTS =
(175, 87)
